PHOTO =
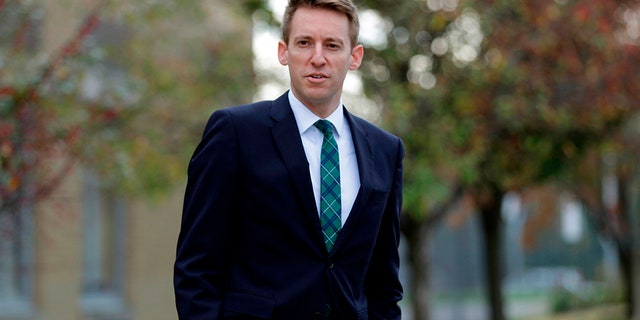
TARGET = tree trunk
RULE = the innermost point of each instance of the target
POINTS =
(624, 246)
(626, 270)
(635, 283)
(633, 210)
(489, 204)
(416, 233)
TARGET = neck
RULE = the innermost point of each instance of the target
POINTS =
(321, 109)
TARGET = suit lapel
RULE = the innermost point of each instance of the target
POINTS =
(364, 155)
(285, 134)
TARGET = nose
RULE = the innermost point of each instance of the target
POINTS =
(318, 59)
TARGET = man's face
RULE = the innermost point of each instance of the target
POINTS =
(319, 55)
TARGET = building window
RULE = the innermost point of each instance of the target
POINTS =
(16, 265)
(104, 252)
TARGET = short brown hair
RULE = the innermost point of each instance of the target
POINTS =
(343, 6)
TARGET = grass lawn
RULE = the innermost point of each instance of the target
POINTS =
(609, 312)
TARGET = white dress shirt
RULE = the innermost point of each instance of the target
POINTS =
(312, 142)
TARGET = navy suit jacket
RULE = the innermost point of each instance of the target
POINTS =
(250, 244)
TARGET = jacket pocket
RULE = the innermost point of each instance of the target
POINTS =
(245, 305)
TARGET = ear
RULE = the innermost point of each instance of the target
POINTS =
(283, 53)
(357, 53)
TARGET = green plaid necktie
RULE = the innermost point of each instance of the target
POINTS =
(330, 203)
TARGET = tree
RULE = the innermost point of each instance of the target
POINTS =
(26, 139)
(127, 95)
(604, 183)
(493, 96)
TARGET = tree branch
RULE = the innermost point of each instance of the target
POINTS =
(72, 46)
(441, 210)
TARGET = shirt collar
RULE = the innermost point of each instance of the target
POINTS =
(305, 118)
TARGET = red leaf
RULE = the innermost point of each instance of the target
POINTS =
(7, 91)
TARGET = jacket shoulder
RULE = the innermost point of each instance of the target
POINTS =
(374, 131)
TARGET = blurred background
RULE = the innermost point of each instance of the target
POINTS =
(520, 119)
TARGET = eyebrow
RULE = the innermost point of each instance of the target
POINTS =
(338, 40)
(327, 39)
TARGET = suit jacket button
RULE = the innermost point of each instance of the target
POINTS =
(330, 265)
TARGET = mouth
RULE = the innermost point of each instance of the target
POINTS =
(317, 76)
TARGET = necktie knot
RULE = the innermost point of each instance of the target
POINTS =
(325, 127)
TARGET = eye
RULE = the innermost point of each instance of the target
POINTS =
(333, 46)
(304, 43)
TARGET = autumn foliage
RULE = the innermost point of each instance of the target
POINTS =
(494, 96)
(34, 143)
(125, 95)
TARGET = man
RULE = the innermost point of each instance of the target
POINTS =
(277, 223)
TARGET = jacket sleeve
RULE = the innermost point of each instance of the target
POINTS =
(383, 288)
(206, 221)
